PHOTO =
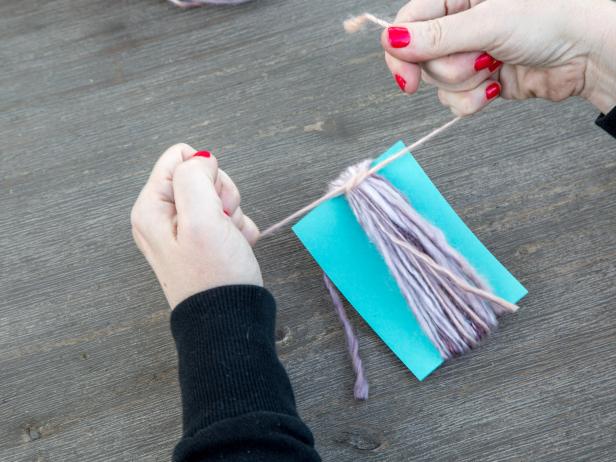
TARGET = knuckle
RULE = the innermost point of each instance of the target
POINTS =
(442, 97)
(237, 197)
(214, 161)
(136, 217)
(455, 6)
(466, 106)
(176, 148)
(240, 219)
(179, 147)
(454, 75)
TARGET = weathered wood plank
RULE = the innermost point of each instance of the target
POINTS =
(91, 92)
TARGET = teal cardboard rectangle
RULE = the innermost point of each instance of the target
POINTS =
(339, 245)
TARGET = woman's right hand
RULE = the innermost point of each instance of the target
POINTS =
(476, 50)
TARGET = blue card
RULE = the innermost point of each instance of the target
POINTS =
(339, 245)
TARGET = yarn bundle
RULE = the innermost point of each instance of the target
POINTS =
(451, 303)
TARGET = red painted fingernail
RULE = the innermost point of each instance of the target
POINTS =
(202, 154)
(483, 61)
(495, 65)
(493, 90)
(399, 37)
(227, 213)
(400, 81)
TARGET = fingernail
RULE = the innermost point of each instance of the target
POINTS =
(483, 61)
(400, 81)
(493, 90)
(495, 65)
(202, 154)
(227, 213)
(399, 37)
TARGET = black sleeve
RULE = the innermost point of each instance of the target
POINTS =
(608, 122)
(237, 400)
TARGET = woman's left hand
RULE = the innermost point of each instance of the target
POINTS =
(189, 225)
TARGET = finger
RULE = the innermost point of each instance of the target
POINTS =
(162, 173)
(198, 205)
(522, 82)
(152, 218)
(425, 40)
(153, 215)
(460, 71)
(250, 231)
(229, 194)
(468, 102)
(406, 75)
(238, 218)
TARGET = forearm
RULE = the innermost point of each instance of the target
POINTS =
(236, 396)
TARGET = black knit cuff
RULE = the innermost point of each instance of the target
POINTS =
(227, 356)
(608, 122)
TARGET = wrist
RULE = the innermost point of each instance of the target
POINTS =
(600, 76)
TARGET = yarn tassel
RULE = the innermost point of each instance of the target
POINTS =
(451, 303)
(360, 390)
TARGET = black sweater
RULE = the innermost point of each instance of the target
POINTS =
(237, 400)
(608, 122)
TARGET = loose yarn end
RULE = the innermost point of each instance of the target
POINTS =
(356, 23)
(361, 388)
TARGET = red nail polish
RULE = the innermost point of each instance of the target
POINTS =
(400, 81)
(399, 37)
(202, 154)
(493, 90)
(483, 61)
(495, 65)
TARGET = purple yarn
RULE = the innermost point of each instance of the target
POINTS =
(360, 390)
(451, 303)
(197, 3)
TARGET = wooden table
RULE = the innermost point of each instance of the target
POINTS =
(91, 92)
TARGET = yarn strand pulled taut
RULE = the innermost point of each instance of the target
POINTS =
(354, 181)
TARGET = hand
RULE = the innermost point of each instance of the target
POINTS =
(188, 224)
(551, 49)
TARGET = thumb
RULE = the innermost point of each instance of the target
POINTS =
(474, 29)
(199, 207)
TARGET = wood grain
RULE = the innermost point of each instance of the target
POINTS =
(91, 92)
